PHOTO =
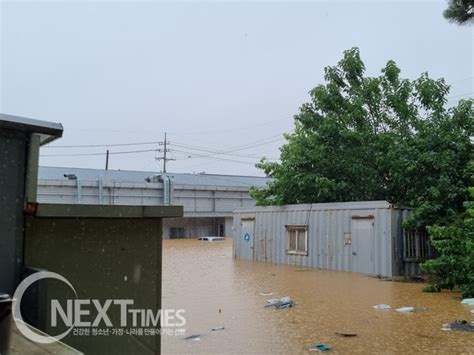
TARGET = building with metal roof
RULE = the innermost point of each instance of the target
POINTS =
(128, 176)
(208, 199)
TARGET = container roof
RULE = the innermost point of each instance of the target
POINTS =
(57, 173)
(350, 205)
(48, 131)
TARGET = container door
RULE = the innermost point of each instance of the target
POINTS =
(247, 239)
(363, 245)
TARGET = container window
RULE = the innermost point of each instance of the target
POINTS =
(297, 239)
(301, 245)
(292, 239)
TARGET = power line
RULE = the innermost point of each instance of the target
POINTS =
(100, 145)
(188, 154)
(214, 152)
(129, 144)
(191, 155)
(265, 141)
(96, 154)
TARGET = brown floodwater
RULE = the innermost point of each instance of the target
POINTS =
(202, 277)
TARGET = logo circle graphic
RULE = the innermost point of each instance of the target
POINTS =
(18, 319)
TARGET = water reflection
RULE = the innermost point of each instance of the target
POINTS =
(203, 278)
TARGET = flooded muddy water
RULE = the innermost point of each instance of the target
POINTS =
(203, 278)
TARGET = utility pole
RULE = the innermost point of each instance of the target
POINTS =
(164, 154)
(107, 160)
(164, 151)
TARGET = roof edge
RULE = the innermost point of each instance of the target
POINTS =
(48, 130)
(50, 210)
(377, 204)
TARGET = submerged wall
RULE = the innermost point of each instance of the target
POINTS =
(106, 252)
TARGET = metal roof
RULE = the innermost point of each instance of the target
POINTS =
(48, 131)
(57, 173)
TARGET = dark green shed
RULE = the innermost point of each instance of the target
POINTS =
(20, 139)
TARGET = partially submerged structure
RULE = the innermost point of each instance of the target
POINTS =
(208, 199)
(365, 237)
(105, 251)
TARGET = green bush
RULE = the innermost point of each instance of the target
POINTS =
(454, 266)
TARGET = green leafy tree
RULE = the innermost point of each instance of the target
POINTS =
(376, 138)
(454, 266)
(460, 11)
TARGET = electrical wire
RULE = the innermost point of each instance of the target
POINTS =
(95, 154)
(100, 145)
(190, 155)
(214, 152)
(269, 140)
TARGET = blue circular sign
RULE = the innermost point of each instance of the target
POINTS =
(247, 237)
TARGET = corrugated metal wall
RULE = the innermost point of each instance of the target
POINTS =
(328, 225)
(213, 201)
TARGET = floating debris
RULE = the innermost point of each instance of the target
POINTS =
(218, 328)
(406, 309)
(195, 337)
(284, 302)
(468, 301)
(285, 305)
(320, 347)
(382, 306)
(272, 302)
(343, 334)
(446, 326)
(460, 325)
(266, 293)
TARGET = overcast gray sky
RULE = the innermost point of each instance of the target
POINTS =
(217, 76)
